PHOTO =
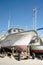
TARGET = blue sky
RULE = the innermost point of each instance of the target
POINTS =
(20, 13)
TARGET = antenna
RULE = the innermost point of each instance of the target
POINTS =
(35, 17)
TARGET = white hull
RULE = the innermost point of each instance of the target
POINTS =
(37, 47)
(16, 39)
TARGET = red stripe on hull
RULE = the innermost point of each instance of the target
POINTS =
(18, 47)
(21, 47)
(37, 51)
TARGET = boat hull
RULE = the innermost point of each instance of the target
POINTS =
(37, 49)
(18, 40)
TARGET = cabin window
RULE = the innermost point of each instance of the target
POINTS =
(34, 40)
(14, 30)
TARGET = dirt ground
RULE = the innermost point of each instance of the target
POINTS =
(11, 61)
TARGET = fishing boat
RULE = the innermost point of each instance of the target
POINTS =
(17, 38)
(37, 48)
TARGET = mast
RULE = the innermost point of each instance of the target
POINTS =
(8, 24)
(35, 17)
(9, 20)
